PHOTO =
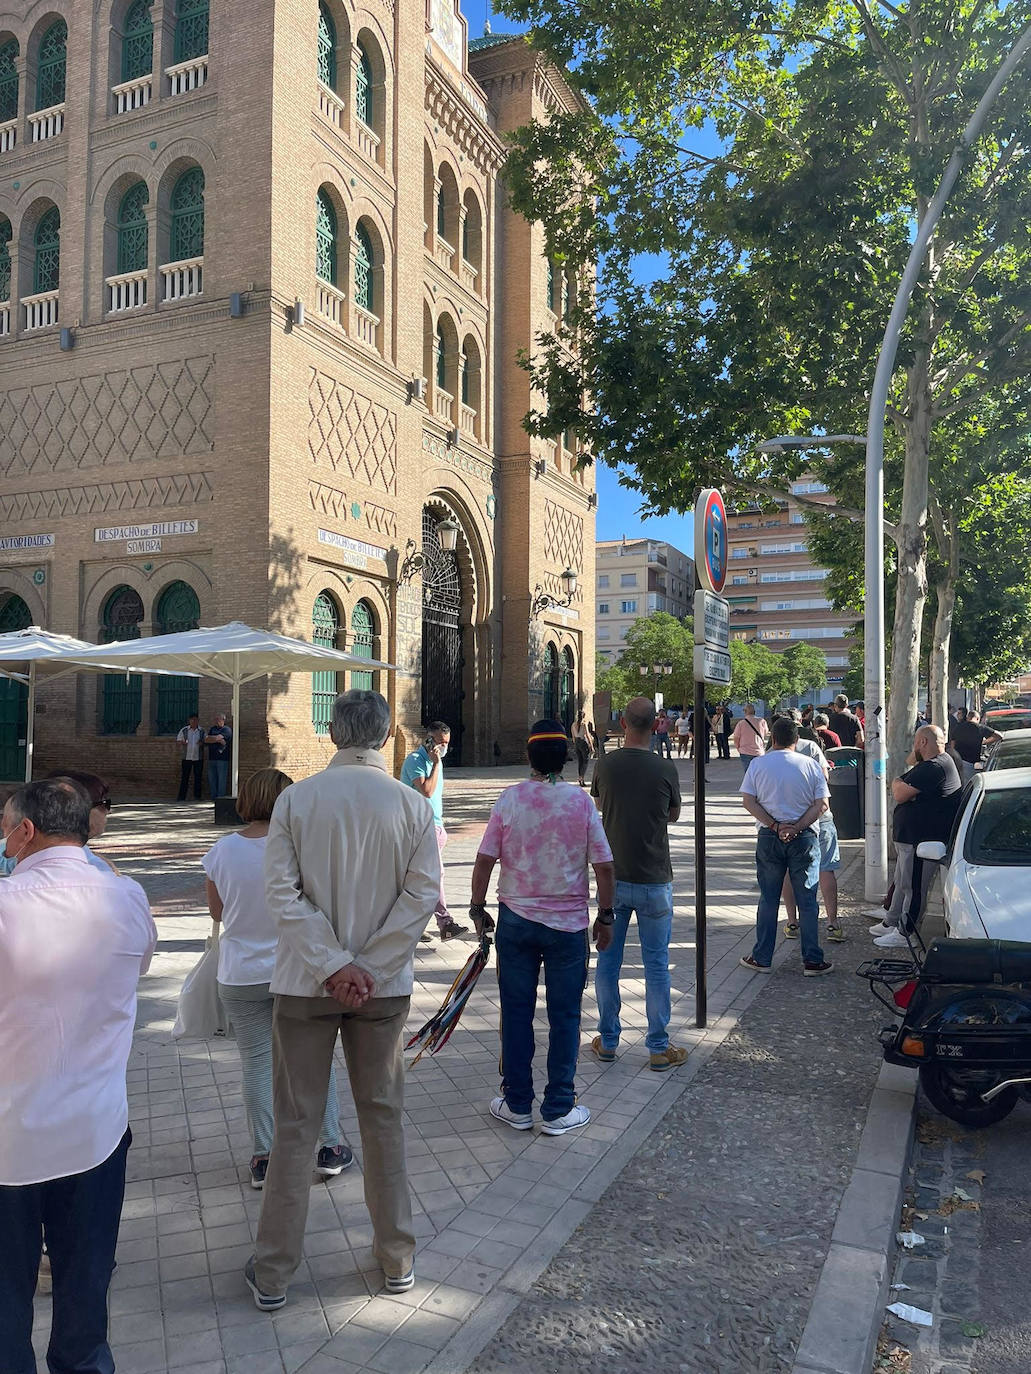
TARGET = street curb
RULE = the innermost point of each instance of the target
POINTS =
(847, 1311)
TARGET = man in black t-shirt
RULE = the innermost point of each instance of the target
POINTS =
(926, 800)
(846, 725)
(967, 737)
(218, 739)
(639, 796)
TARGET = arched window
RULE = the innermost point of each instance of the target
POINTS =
(138, 42)
(441, 211)
(178, 609)
(551, 683)
(14, 615)
(9, 81)
(46, 274)
(5, 258)
(191, 30)
(132, 229)
(364, 96)
(186, 237)
(52, 66)
(325, 627)
(441, 351)
(123, 692)
(567, 689)
(362, 631)
(472, 233)
(327, 49)
(364, 285)
(325, 239)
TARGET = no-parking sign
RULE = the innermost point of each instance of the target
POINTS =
(710, 533)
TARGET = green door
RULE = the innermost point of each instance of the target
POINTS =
(14, 697)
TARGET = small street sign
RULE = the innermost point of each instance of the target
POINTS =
(710, 531)
(711, 620)
(711, 665)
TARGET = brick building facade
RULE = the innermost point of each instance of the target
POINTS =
(261, 304)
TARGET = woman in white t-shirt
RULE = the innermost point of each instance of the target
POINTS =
(246, 959)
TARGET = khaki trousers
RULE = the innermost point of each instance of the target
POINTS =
(303, 1038)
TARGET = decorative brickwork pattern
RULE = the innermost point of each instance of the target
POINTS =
(345, 427)
(563, 537)
(336, 505)
(125, 416)
(181, 490)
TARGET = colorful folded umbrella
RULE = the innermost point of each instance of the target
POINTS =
(437, 1031)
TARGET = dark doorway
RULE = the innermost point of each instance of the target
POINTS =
(443, 662)
(14, 696)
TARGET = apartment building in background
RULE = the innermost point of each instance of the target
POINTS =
(777, 594)
(633, 578)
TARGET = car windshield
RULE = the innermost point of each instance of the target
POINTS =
(1015, 755)
(1000, 832)
(1008, 721)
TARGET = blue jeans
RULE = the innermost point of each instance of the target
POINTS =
(78, 1217)
(523, 946)
(653, 903)
(801, 859)
(218, 771)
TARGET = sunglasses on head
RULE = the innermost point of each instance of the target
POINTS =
(106, 804)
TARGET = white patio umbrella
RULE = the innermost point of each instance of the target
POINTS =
(24, 654)
(232, 653)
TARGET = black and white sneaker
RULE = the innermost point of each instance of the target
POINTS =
(401, 1283)
(264, 1302)
(333, 1160)
(258, 1169)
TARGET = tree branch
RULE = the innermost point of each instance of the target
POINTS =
(884, 55)
(965, 366)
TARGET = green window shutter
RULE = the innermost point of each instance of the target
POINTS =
(138, 42)
(5, 259)
(8, 81)
(47, 266)
(364, 293)
(14, 615)
(327, 49)
(52, 66)
(363, 93)
(123, 692)
(325, 626)
(465, 240)
(132, 229)
(465, 381)
(191, 30)
(177, 610)
(325, 239)
(186, 239)
(441, 360)
(362, 626)
(441, 213)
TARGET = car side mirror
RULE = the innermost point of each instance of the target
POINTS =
(931, 849)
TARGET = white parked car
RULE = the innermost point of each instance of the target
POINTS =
(986, 866)
(1012, 751)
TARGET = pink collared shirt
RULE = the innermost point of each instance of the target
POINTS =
(73, 944)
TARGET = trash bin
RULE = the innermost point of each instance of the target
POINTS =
(846, 784)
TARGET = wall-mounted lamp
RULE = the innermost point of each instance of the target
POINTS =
(539, 467)
(452, 438)
(235, 305)
(592, 500)
(295, 313)
(417, 559)
(417, 389)
(67, 340)
(544, 601)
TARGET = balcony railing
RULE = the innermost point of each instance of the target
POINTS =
(470, 277)
(443, 405)
(41, 310)
(44, 124)
(366, 327)
(331, 106)
(187, 76)
(331, 303)
(468, 419)
(133, 95)
(182, 279)
(445, 254)
(5, 318)
(127, 291)
(8, 136)
(367, 140)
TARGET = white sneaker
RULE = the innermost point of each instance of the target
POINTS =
(519, 1121)
(893, 940)
(576, 1116)
(874, 913)
(881, 928)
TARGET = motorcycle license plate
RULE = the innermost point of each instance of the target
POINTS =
(944, 1050)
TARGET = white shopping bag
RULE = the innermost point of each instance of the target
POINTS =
(201, 1013)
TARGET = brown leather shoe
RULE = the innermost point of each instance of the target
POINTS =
(670, 1058)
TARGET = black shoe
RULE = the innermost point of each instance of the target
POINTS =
(453, 931)
(264, 1302)
(814, 970)
(426, 938)
(258, 1168)
(333, 1160)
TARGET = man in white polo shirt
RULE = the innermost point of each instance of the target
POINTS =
(73, 943)
(787, 794)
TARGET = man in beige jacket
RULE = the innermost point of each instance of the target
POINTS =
(352, 872)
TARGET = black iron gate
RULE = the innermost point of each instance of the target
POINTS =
(443, 662)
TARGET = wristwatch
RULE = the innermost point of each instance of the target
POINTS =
(606, 915)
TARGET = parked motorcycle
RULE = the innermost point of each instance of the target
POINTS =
(966, 1024)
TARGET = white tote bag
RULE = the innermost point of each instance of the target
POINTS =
(201, 1013)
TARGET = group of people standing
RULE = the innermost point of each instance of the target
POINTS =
(194, 739)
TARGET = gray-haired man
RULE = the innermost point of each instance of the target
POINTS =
(352, 871)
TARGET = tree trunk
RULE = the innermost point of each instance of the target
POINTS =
(939, 677)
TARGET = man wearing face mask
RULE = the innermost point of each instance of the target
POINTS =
(926, 797)
(424, 771)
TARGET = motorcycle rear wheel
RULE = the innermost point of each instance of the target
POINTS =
(956, 1093)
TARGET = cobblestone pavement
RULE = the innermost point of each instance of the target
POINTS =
(702, 1255)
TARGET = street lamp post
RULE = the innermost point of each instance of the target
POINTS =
(656, 671)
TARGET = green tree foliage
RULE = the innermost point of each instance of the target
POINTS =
(806, 669)
(612, 677)
(657, 639)
(778, 256)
